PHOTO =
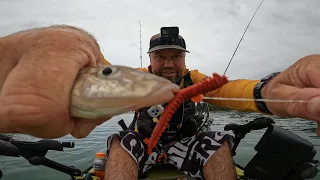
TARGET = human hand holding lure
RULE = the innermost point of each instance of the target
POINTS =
(208, 84)
(298, 82)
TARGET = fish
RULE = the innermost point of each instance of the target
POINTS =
(109, 90)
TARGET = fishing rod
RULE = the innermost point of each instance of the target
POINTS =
(140, 47)
(242, 37)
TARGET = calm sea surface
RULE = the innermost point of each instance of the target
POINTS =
(82, 155)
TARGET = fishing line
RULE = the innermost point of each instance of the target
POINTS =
(242, 37)
(264, 100)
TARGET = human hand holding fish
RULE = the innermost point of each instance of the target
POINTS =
(38, 68)
(48, 72)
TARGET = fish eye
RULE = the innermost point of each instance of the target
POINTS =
(106, 71)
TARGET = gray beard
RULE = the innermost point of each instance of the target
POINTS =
(175, 79)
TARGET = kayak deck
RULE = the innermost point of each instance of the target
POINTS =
(165, 172)
(160, 172)
(169, 172)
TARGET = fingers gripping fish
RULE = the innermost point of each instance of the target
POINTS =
(111, 90)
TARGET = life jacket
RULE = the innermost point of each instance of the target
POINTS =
(182, 123)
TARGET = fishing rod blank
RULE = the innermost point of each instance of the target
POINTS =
(242, 37)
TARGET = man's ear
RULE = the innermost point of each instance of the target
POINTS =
(150, 57)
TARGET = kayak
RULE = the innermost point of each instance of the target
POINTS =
(159, 172)
(280, 155)
(166, 171)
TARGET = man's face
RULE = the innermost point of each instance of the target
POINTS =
(168, 63)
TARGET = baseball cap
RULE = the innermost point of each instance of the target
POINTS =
(158, 42)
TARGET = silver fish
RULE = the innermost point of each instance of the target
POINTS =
(111, 90)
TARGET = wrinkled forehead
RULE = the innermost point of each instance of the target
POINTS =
(168, 52)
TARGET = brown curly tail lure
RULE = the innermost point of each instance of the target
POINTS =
(206, 85)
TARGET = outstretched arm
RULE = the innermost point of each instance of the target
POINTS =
(234, 89)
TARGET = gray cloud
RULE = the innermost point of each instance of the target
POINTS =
(282, 31)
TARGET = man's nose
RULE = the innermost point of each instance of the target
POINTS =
(168, 62)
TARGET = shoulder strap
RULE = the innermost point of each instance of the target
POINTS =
(187, 80)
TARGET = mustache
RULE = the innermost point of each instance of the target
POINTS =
(168, 69)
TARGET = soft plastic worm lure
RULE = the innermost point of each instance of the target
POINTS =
(197, 89)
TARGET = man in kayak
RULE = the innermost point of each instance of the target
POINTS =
(204, 155)
(39, 66)
(197, 154)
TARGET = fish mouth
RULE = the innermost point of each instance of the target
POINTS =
(163, 94)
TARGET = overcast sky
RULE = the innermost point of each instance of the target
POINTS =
(281, 32)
